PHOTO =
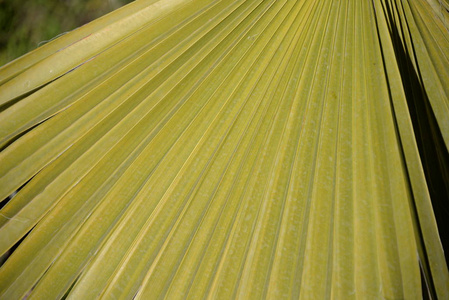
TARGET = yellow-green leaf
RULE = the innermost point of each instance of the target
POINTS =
(230, 149)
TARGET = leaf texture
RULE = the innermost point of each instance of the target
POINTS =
(230, 149)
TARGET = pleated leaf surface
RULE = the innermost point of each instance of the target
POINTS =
(250, 149)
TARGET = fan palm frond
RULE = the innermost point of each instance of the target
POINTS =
(230, 149)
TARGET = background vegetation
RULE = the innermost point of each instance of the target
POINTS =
(26, 24)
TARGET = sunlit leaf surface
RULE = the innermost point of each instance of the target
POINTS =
(230, 149)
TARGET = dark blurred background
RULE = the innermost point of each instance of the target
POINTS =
(24, 24)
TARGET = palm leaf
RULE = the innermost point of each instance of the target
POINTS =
(222, 149)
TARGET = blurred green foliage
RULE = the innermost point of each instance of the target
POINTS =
(26, 24)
